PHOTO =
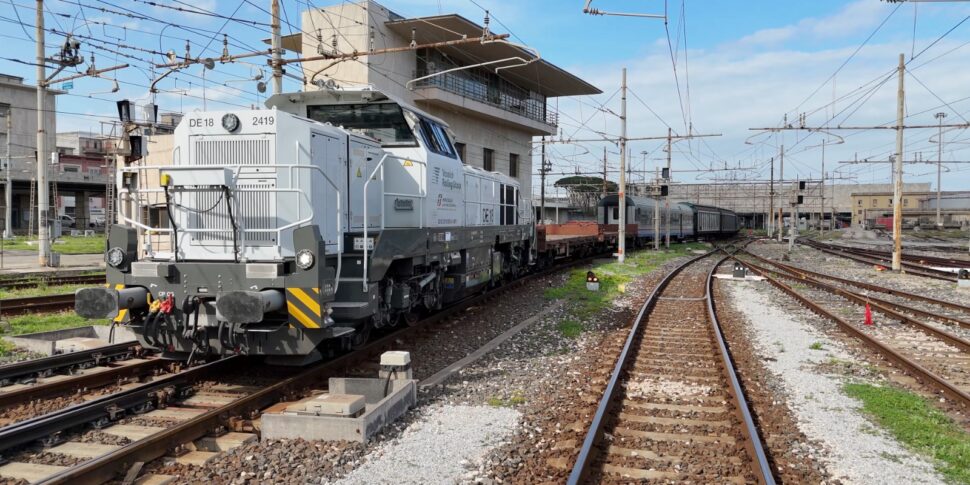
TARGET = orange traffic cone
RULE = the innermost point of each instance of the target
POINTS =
(868, 314)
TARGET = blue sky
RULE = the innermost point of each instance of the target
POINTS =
(745, 64)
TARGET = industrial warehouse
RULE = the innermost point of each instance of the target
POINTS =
(477, 242)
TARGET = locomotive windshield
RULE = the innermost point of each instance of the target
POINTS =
(382, 121)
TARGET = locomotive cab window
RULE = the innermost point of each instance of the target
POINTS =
(384, 122)
(436, 138)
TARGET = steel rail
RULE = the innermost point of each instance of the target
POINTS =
(106, 408)
(82, 381)
(581, 468)
(109, 466)
(753, 440)
(916, 258)
(89, 357)
(28, 304)
(870, 286)
(913, 269)
(879, 305)
(803, 273)
(886, 351)
(28, 282)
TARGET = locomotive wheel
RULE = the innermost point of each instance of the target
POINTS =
(410, 318)
(361, 336)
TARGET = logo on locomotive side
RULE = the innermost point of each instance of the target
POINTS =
(404, 204)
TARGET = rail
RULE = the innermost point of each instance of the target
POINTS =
(580, 469)
(888, 352)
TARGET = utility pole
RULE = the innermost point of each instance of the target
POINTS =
(542, 186)
(670, 134)
(43, 243)
(781, 207)
(821, 211)
(656, 211)
(604, 169)
(771, 201)
(898, 179)
(621, 248)
(277, 48)
(8, 191)
(939, 169)
(793, 230)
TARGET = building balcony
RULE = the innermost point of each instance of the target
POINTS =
(485, 97)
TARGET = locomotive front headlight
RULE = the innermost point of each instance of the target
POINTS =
(116, 256)
(305, 259)
(230, 122)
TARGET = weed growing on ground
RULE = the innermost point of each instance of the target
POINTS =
(612, 278)
(914, 422)
(815, 346)
(570, 328)
(63, 245)
(50, 321)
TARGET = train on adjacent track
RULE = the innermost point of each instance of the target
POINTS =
(294, 231)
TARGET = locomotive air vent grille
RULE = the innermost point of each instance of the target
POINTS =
(232, 150)
(253, 210)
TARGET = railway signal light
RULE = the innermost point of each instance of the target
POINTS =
(664, 190)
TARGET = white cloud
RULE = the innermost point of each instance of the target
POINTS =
(856, 16)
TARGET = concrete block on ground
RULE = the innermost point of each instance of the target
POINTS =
(78, 449)
(197, 458)
(225, 442)
(133, 432)
(378, 412)
(331, 405)
(154, 479)
(75, 344)
(31, 472)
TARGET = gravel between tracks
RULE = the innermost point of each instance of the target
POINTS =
(857, 452)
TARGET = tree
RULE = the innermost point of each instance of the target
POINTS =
(585, 191)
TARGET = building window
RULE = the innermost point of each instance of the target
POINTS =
(874, 203)
(860, 212)
(890, 202)
(460, 148)
(860, 202)
(488, 159)
(905, 202)
(514, 164)
(70, 168)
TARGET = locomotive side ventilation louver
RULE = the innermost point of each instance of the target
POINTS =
(232, 151)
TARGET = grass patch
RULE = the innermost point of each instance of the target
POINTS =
(6, 348)
(815, 346)
(41, 290)
(613, 278)
(913, 421)
(47, 322)
(63, 245)
(570, 328)
(516, 400)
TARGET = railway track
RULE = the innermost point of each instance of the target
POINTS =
(31, 282)
(674, 408)
(876, 258)
(201, 411)
(36, 304)
(933, 355)
(913, 258)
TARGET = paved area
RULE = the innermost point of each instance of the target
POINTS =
(14, 261)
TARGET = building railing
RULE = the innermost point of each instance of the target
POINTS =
(492, 91)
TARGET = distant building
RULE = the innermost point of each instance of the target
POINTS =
(493, 113)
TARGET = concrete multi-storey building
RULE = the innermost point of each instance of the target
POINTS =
(77, 181)
(493, 95)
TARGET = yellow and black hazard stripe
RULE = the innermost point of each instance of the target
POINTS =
(304, 308)
(123, 313)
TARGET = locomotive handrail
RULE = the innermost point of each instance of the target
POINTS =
(236, 170)
(424, 195)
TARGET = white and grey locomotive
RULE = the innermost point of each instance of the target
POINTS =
(282, 231)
